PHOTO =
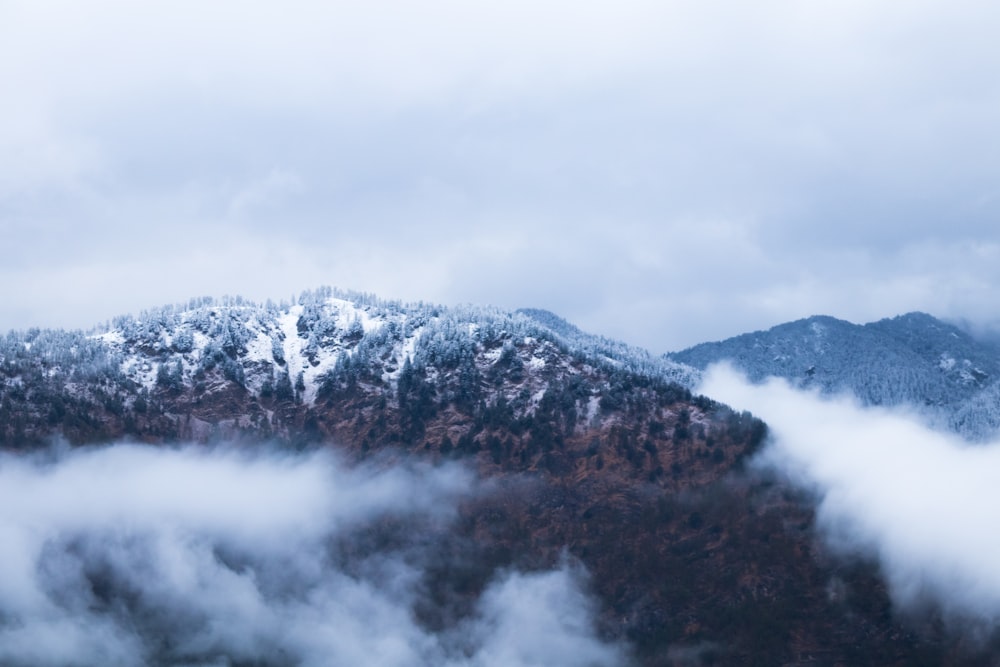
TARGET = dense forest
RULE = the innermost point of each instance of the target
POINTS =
(594, 451)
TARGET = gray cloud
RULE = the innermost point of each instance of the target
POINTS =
(922, 502)
(660, 171)
(129, 555)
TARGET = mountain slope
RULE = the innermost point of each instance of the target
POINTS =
(912, 359)
(588, 449)
(235, 367)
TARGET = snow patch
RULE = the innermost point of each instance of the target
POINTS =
(405, 351)
(201, 341)
(491, 356)
(348, 312)
(536, 398)
(114, 338)
(259, 348)
(947, 363)
(288, 324)
(327, 358)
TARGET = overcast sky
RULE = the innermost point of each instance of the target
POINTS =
(660, 171)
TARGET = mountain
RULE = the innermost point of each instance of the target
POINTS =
(232, 368)
(914, 359)
(613, 351)
(592, 450)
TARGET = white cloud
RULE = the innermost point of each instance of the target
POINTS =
(130, 554)
(517, 626)
(920, 501)
(695, 169)
(265, 193)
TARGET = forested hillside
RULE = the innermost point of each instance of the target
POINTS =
(912, 360)
(588, 449)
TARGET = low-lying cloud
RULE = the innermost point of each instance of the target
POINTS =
(129, 554)
(924, 503)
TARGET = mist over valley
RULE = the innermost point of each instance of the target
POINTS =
(344, 478)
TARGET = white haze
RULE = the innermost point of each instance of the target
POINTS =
(926, 504)
(799, 157)
(127, 554)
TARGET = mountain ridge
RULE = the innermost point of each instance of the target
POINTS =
(913, 359)
(593, 449)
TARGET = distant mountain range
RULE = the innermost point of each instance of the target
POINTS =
(597, 450)
(915, 360)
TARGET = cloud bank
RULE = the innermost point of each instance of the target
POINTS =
(128, 554)
(924, 503)
(829, 156)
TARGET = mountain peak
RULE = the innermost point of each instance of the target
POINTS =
(551, 321)
(917, 319)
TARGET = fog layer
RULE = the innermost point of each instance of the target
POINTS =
(924, 503)
(129, 554)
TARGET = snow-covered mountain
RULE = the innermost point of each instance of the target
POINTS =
(913, 359)
(187, 361)
(232, 366)
(588, 449)
(327, 332)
